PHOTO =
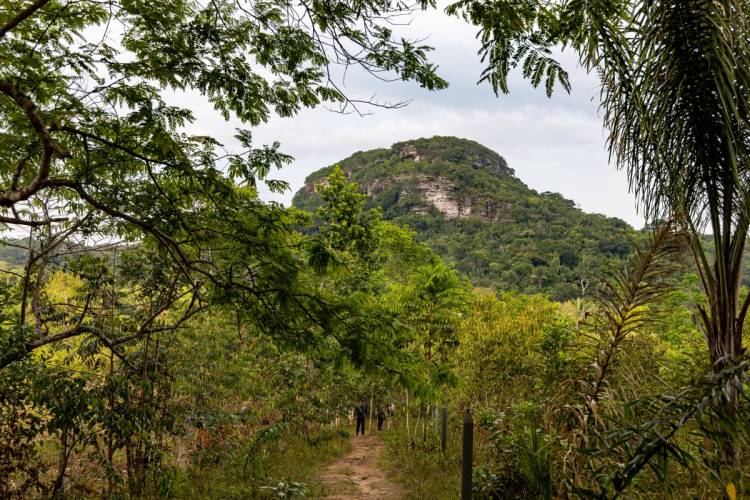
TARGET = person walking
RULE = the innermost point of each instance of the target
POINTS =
(381, 417)
(360, 413)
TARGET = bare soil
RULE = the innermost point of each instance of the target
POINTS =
(359, 475)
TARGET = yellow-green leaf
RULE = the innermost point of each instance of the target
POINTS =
(731, 491)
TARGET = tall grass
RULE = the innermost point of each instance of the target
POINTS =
(249, 470)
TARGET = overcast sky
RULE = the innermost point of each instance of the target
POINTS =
(555, 144)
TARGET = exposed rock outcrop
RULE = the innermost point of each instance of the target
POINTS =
(445, 197)
(437, 192)
(432, 183)
(409, 152)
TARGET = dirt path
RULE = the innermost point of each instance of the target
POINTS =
(358, 475)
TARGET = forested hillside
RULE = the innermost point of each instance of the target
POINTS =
(12, 252)
(167, 333)
(465, 203)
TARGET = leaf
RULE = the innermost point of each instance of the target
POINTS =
(731, 491)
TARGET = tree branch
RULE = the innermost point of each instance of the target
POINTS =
(32, 223)
(11, 196)
(23, 15)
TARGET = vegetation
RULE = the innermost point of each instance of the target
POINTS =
(560, 404)
(673, 80)
(136, 233)
(166, 334)
(508, 236)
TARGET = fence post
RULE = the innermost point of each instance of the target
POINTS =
(444, 428)
(468, 455)
(435, 413)
(372, 402)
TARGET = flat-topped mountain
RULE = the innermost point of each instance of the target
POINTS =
(466, 203)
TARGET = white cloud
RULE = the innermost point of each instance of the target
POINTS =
(555, 144)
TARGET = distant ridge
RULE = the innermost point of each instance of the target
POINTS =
(466, 203)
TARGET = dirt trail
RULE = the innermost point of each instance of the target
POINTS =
(358, 475)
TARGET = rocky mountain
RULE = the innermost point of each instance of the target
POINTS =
(466, 203)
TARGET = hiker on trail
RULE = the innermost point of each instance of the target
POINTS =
(381, 417)
(360, 413)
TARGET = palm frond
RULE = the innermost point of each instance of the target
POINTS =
(678, 112)
(623, 305)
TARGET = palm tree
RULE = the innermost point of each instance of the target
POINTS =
(678, 118)
(675, 78)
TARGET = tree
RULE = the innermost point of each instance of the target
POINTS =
(345, 221)
(674, 77)
(502, 348)
(360, 256)
(91, 147)
(431, 305)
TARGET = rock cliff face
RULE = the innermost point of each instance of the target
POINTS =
(444, 197)
(409, 152)
(437, 193)
(464, 201)
(416, 170)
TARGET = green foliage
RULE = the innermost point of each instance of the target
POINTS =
(92, 149)
(517, 33)
(417, 299)
(288, 459)
(587, 399)
(21, 468)
(104, 348)
(343, 214)
(674, 76)
(523, 33)
(526, 470)
(209, 343)
(431, 305)
(509, 236)
(511, 343)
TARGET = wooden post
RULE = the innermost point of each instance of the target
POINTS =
(444, 428)
(468, 456)
(435, 412)
(406, 409)
(372, 398)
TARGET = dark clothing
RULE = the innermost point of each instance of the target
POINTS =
(381, 418)
(360, 412)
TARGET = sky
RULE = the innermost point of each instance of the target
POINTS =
(553, 144)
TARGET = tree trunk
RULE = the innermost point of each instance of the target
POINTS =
(723, 355)
(57, 489)
(435, 418)
(416, 427)
(723, 321)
